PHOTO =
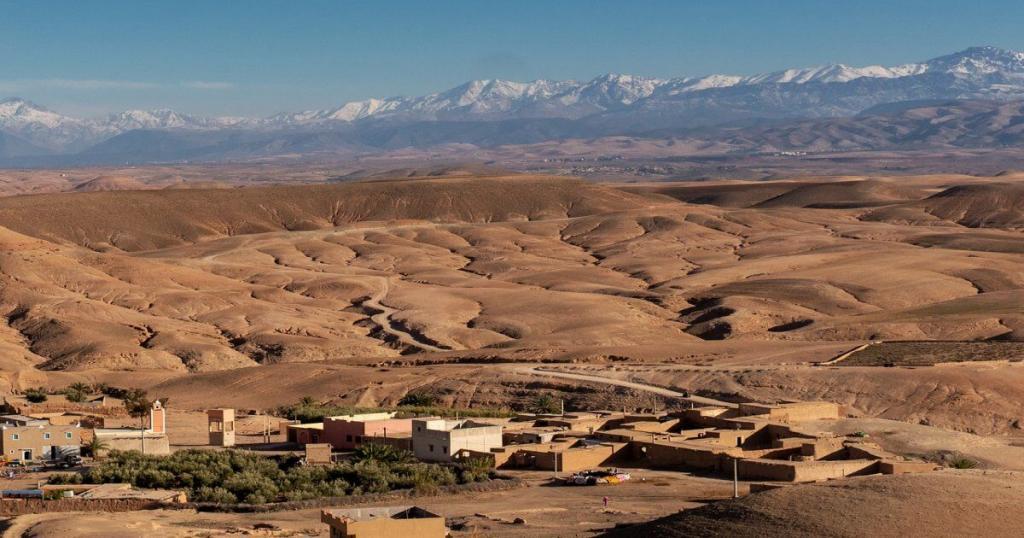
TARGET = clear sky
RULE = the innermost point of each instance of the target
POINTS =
(257, 57)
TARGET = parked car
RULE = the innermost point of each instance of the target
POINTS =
(69, 462)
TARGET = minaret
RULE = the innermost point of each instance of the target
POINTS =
(157, 419)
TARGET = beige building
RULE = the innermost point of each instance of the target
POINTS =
(384, 522)
(151, 440)
(438, 439)
(221, 424)
(27, 439)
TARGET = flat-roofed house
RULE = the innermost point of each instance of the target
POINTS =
(303, 434)
(438, 439)
(30, 439)
(346, 432)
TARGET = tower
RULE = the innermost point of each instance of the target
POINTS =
(157, 419)
(221, 424)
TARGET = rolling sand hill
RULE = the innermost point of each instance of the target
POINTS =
(987, 205)
(110, 183)
(142, 220)
(936, 504)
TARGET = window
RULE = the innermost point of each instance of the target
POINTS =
(316, 438)
(46, 435)
(348, 438)
(431, 448)
(444, 449)
(67, 435)
(15, 437)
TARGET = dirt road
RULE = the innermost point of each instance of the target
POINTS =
(382, 317)
(628, 384)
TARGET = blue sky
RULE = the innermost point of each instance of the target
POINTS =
(260, 57)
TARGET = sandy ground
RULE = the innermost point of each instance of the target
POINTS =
(547, 510)
(949, 503)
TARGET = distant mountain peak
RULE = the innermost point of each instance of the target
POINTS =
(609, 103)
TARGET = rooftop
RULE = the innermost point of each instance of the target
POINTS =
(337, 516)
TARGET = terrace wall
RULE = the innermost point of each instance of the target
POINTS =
(803, 471)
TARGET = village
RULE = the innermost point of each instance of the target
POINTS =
(63, 456)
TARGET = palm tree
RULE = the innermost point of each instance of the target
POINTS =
(84, 388)
(138, 406)
(382, 453)
(95, 446)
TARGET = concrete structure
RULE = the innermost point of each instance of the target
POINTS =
(132, 439)
(400, 441)
(384, 522)
(438, 439)
(347, 432)
(792, 411)
(318, 453)
(221, 425)
(26, 439)
(117, 492)
(571, 457)
(150, 440)
(532, 435)
(302, 434)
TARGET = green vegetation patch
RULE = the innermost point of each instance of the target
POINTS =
(310, 411)
(233, 476)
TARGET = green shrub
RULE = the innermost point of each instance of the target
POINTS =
(544, 403)
(74, 396)
(961, 462)
(475, 470)
(232, 476)
(64, 478)
(382, 452)
(308, 411)
(36, 395)
(417, 400)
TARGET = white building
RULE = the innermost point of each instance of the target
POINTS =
(437, 439)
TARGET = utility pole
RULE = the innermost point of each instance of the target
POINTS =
(735, 478)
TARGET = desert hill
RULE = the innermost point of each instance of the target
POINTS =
(820, 194)
(143, 220)
(984, 205)
(932, 504)
(179, 283)
(110, 183)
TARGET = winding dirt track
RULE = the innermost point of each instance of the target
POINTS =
(628, 384)
(383, 318)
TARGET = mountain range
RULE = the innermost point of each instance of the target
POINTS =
(499, 112)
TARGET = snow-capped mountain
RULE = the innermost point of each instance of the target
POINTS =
(975, 72)
(162, 118)
(608, 104)
(49, 129)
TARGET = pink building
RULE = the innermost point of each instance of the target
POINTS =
(348, 431)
